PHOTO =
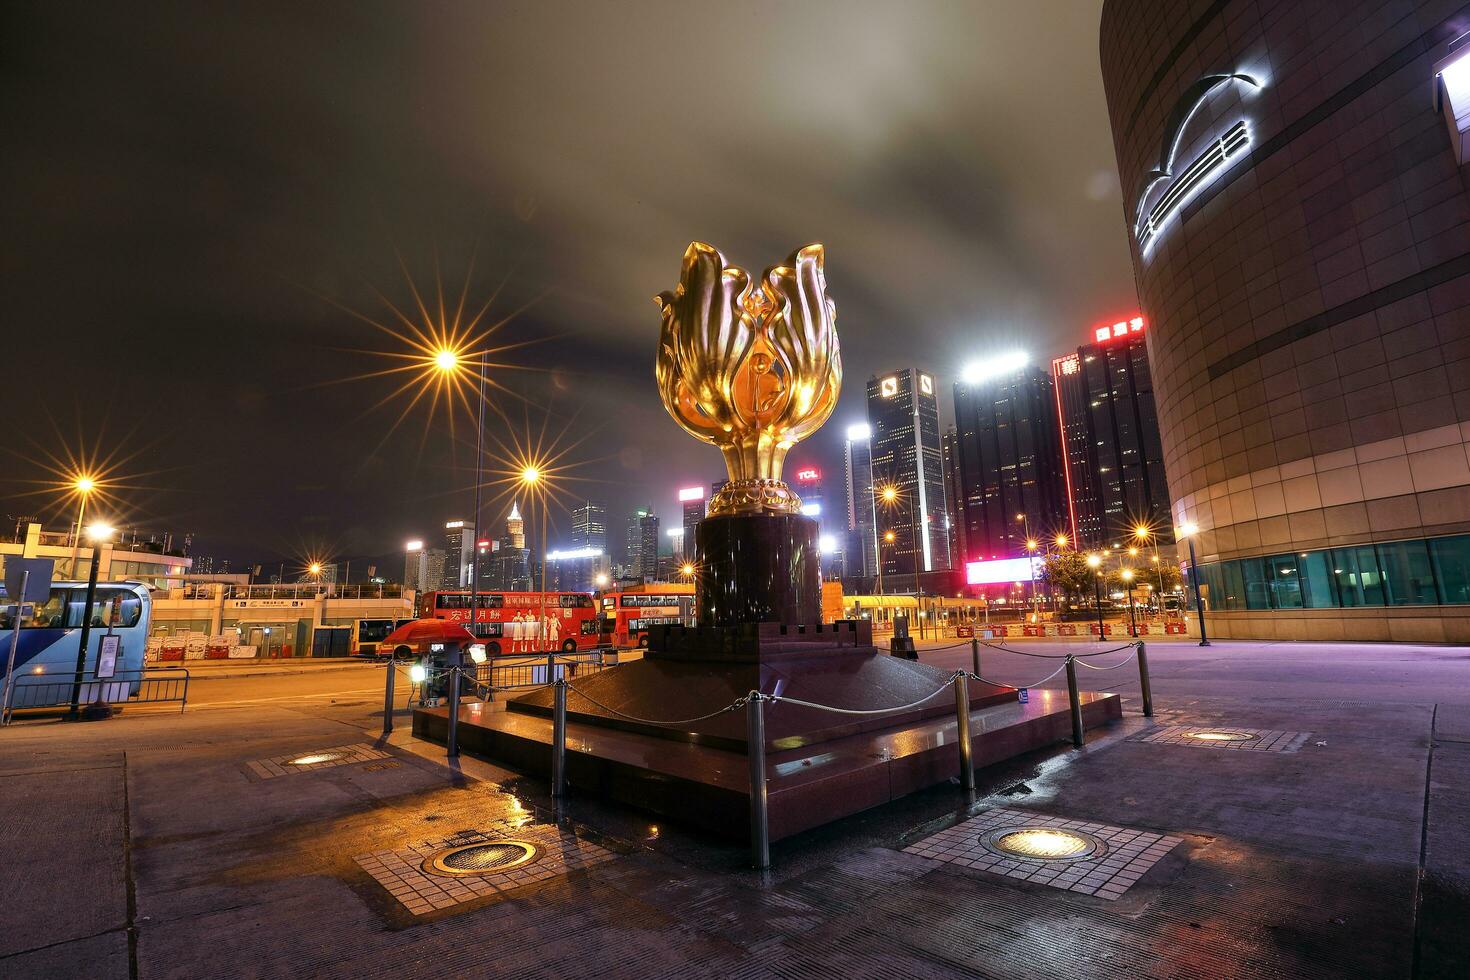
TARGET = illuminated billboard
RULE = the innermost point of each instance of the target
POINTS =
(1002, 570)
(691, 493)
(808, 474)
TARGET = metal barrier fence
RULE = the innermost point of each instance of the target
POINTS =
(126, 687)
(754, 705)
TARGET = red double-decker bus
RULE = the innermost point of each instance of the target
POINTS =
(511, 622)
(627, 616)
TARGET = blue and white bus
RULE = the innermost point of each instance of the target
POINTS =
(50, 632)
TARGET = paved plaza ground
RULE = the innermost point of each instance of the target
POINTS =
(165, 845)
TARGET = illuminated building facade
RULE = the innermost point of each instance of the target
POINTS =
(1111, 453)
(860, 553)
(459, 546)
(691, 499)
(1307, 292)
(589, 525)
(1005, 454)
(903, 411)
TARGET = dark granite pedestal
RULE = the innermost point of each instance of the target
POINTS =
(757, 568)
(820, 765)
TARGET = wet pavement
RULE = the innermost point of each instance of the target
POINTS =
(160, 845)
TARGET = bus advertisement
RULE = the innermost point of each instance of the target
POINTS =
(511, 622)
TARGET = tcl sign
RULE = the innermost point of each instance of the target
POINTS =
(808, 475)
(1120, 329)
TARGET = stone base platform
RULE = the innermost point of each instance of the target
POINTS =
(809, 785)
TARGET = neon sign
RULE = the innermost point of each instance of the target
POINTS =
(809, 475)
(888, 387)
(1120, 329)
(691, 493)
(1182, 184)
(1001, 570)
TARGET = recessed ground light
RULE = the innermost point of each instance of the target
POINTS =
(1221, 736)
(315, 758)
(1042, 844)
(490, 857)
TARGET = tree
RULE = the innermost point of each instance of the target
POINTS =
(1068, 572)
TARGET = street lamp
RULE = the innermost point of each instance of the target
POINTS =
(1031, 546)
(447, 362)
(530, 478)
(1094, 562)
(1188, 531)
(98, 534)
(82, 486)
(1132, 622)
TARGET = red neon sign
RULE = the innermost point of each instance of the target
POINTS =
(809, 475)
(1120, 329)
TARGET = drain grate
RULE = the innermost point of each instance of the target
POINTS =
(1221, 736)
(1239, 739)
(491, 857)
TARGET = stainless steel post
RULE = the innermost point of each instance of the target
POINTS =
(975, 657)
(452, 741)
(962, 727)
(1148, 694)
(1075, 700)
(559, 740)
(388, 697)
(755, 733)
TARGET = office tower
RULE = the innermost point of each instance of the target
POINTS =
(515, 527)
(459, 545)
(648, 546)
(862, 546)
(589, 525)
(413, 558)
(1111, 449)
(953, 494)
(906, 457)
(1010, 479)
(633, 542)
(692, 500)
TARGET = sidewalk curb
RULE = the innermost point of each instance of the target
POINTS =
(219, 674)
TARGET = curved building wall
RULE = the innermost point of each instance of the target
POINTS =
(1306, 276)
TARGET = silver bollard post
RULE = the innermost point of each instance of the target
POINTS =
(1076, 702)
(451, 743)
(1148, 694)
(975, 656)
(388, 697)
(755, 733)
(559, 739)
(962, 727)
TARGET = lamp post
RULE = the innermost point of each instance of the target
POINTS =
(447, 362)
(531, 480)
(1061, 541)
(1188, 531)
(1031, 545)
(98, 533)
(1132, 620)
(1094, 562)
(83, 487)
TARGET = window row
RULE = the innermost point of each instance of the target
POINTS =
(1398, 573)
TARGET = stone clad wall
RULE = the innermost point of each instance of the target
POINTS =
(1309, 308)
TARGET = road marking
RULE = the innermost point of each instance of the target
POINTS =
(286, 697)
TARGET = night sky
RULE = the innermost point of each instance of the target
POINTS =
(197, 195)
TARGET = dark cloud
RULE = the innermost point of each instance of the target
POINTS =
(186, 182)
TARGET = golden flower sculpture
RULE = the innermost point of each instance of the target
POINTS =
(752, 369)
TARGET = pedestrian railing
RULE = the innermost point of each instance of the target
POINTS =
(125, 687)
(755, 703)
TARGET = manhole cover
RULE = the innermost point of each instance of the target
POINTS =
(491, 857)
(316, 758)
(1042, 844)
(1221, 736)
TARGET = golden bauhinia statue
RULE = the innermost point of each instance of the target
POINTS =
(750, 368)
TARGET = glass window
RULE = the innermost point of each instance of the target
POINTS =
(1232, 586)
(1451, 560)
(129, 611)
(1406, 573)
(1359, 582)
(1253, 575)
(1319, 589)
(1284, 582)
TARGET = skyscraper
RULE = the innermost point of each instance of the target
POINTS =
(692, 500)
(904, 414)
(648, 546)
(1111, 449)
(459, 546)
(953, 494)
(862, 543)
(515, 527)
(633, 542)
(413, 559)
(1009, 474)
(589, 525)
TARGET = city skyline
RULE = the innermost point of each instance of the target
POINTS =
(947, 232)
